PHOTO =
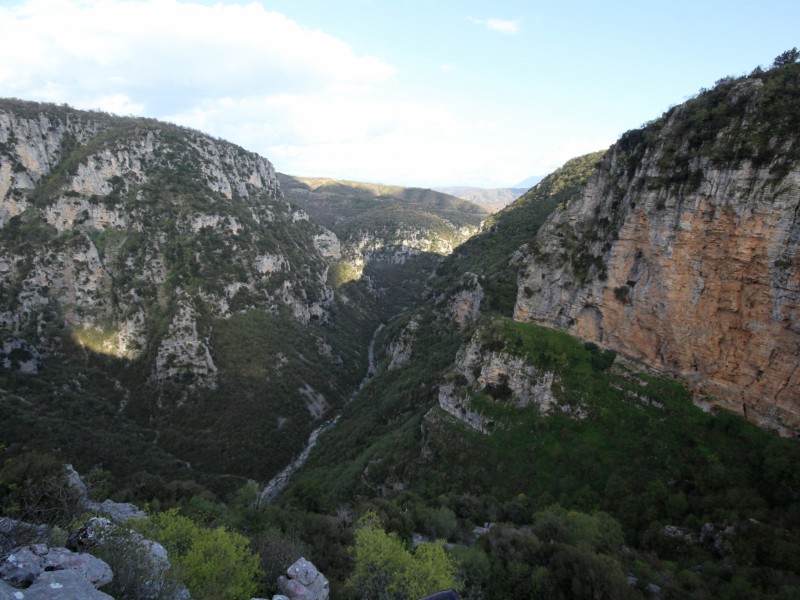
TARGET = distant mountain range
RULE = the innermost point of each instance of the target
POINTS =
(529, 182)
(492, 199)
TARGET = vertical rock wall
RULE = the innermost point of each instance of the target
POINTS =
(700, 278)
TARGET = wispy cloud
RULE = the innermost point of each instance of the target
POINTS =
(507, 26)
(162, 56)
(301, 97)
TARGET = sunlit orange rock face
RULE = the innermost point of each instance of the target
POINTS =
(700, 280)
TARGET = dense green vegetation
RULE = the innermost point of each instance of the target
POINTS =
(716, 125)
(385, 568)
(77, 419)
(691, 494)
(488, 254)
(213, 563)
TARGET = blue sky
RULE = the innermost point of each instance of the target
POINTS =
(412, 92)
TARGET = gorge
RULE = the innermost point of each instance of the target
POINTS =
(595, 388)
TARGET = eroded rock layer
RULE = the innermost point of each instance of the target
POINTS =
(683, 253)
(109, 226)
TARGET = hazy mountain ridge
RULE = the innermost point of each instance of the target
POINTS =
(492, 199)
(385, 225)
(529, 182)
(335, 203)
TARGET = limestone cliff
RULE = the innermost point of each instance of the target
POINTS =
(682, 249)
(465, 301)
(489, 369)
(402, 349)
(154, 277)
(134, 234)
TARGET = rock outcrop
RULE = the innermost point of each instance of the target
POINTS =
(302, 582)
(400, 350)
(501, 376)
(683, 254)
(141, 566)
(63, 584)
(118, 512)
(38, 572)
(183, 352)
(465, 303)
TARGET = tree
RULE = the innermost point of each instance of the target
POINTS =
(215, 564)
(786, 58)
(220, 564)
(386, 570)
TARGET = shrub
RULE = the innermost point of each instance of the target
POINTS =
(623, 294)
(34, 488)
(385, 569)
(277, 551)
(213, 563)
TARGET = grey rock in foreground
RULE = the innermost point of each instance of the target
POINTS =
(141, 566)
(25, 565)
(63, 585)
(38, 572)
(304, 582)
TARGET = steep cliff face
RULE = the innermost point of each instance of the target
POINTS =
(114, 224)
(169, 266)
(682, 249)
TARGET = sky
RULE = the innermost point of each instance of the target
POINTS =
(408, 92)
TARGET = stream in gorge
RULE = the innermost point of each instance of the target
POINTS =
(279, 482)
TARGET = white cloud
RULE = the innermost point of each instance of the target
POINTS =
(119, 104)
(165, 55)
(336, 133)
(506, 26)
(301, 97)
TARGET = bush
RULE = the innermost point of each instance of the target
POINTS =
(277, 552)
(35, 488)
(438, 522)
(213, 563)
(385, 569)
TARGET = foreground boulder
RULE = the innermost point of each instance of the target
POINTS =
(304, 582)
(15, 533)
(24, 565)
(64, 585)
(38, 571)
